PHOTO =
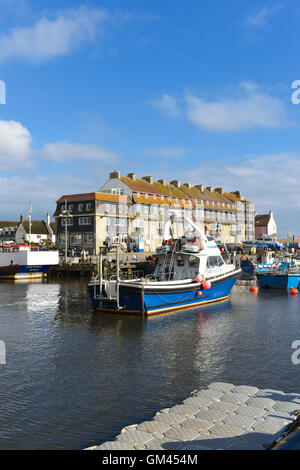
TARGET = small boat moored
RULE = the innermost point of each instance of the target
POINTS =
(24, 262)
(284, 277)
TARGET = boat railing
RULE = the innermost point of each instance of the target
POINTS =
(123, 275)
(284, 270)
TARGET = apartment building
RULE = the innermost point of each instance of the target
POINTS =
(228, 217)
(140, 213)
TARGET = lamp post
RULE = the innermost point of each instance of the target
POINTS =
(65, 216)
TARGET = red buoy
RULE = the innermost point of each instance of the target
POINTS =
(254, 289)
(293, 291)
(199, 292)
(206, 285)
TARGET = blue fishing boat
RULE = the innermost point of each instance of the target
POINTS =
(190, 272)
(282, 278)
(266, 261)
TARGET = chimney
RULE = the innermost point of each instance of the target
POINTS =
(209, 188)
(163, 182)
(132, 176)
(187, 185)
(219, 190)
(175, 183)
(200, 186)
(149, 179)
(115, 174)
(22, 218)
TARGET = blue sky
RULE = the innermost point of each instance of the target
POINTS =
(198, 91)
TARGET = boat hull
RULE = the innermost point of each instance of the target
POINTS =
(159, 298)
(279, 281)
(23, 272)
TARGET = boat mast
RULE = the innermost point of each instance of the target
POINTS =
(29, 220)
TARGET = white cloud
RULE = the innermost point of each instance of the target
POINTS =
(17, 152)
(167, 104)
(271, 181)
(260, 18)
(15, 146)
(168, 152)
(49, 38)
(62, 151)
(249, 108)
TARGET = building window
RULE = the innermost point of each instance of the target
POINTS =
(75, 239)
(118, 191)
(85, 220)
(80, 207)
(70, 207)
(138, 223)
(88, 237)
(120, 222)
(70, 221)
(88, 206)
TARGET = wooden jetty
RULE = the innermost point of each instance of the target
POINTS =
(223, 416)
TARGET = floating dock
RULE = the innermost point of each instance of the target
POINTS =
(223, 416)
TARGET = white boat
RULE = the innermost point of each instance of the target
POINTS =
(24, 262)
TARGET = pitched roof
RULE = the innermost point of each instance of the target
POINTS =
(211, 199)
(262, 220)
(140, 185)
(235, 197)
(93, 196)
(166, 200)
(8, 224)
(37, 227)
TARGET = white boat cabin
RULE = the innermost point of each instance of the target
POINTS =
(189, 260)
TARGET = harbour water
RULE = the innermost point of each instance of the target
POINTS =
(74, 378)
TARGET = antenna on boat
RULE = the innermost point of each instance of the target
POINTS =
(197, 229)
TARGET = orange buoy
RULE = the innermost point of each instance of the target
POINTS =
(255, 267)
(293, 291)
(199, 292)
(254, 289)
